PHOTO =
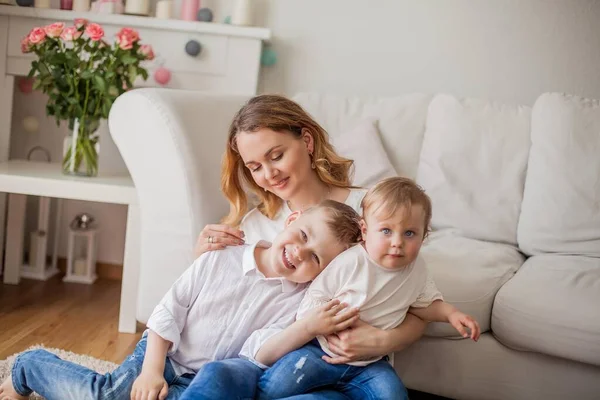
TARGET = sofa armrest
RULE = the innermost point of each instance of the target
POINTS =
(172, 142)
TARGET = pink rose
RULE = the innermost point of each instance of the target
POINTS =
(25, 45)
(147, 51)
(126, 37)
(94, 32)
(37, 36)
(79, 22)
(71, 33)
(54, 30)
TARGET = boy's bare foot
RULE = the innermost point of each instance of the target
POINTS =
(7, 391)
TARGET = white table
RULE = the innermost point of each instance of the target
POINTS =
(23, 178)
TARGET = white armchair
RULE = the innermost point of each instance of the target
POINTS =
(172, 142)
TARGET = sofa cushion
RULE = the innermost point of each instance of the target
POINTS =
(468, 272)
(473, 164)
(363, 145)
(551, 306)
(561, 204)
(401, 121)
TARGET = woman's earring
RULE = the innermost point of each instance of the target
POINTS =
(312, 161)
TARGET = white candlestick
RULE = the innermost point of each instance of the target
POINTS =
(81, 5)
(164, 9)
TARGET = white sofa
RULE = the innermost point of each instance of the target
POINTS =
(516, 218)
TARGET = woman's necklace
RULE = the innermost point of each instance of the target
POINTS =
(305, 206)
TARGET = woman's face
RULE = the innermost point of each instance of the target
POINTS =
(278, 161)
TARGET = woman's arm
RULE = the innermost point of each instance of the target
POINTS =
(362, 341)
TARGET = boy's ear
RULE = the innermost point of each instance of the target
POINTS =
(292, 217)
(363, 228)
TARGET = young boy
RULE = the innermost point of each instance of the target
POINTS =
(384, 277)
(208, 314)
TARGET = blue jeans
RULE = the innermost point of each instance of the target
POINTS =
(303, 371)
(231, 379)
(57, 379)
(236, 379)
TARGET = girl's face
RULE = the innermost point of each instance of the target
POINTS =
(278, 161)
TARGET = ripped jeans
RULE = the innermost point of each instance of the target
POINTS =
(303, 371)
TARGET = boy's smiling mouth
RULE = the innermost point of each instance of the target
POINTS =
(287, 262)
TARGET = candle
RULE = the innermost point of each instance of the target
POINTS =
(242, 13)
(189, 9)
(42, 3)
(137, 7)
(79, 266)
(164, 9)
(81, 5)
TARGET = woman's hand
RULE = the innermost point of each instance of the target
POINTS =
(217, 237)
(362, 341)
(353, 344)
(149, 386)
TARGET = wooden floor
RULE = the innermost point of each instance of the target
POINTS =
(75, 317)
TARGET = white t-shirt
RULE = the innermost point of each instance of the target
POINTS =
(223, 307)
(383, 296)
(257, 226)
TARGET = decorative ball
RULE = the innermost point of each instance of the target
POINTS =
(193, 48)
(162, 76)
(25, 85)
(205, 14)
(25, 3)
(31, 124)
(227, 20)
(268, 57)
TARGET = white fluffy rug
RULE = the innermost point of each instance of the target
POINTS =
(87, 361)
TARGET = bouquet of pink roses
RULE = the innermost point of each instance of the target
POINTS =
(83, 74)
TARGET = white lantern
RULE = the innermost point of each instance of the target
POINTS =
(81, 257)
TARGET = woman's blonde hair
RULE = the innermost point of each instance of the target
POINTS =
(280, 115)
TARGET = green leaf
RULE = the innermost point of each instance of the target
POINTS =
(127, 59)
(143, 73)
(43, 69)
(100, 83)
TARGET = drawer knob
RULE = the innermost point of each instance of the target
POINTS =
(193, 48)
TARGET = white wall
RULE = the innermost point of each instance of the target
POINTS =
(505, 50)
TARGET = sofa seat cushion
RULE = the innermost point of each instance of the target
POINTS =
(551, 306)
(468, 272)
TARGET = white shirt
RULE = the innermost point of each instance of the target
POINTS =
(221, 304)
(382, 295)
(257, 226)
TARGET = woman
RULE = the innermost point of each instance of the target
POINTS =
(282, 156)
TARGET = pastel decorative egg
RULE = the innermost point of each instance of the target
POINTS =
(25, 85)
(268, 57)
(162, 76)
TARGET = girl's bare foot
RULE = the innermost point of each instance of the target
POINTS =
(7, 391)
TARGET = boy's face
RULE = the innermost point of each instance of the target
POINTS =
(304, 248)
(394, 242)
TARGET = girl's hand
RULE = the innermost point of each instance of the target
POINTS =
(329, 318)
(217, 237)
(461, 320)
(149, 386)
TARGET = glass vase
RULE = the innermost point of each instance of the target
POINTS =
(81, 148)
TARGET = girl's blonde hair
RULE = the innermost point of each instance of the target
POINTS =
(390, 194)
(280, 115)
